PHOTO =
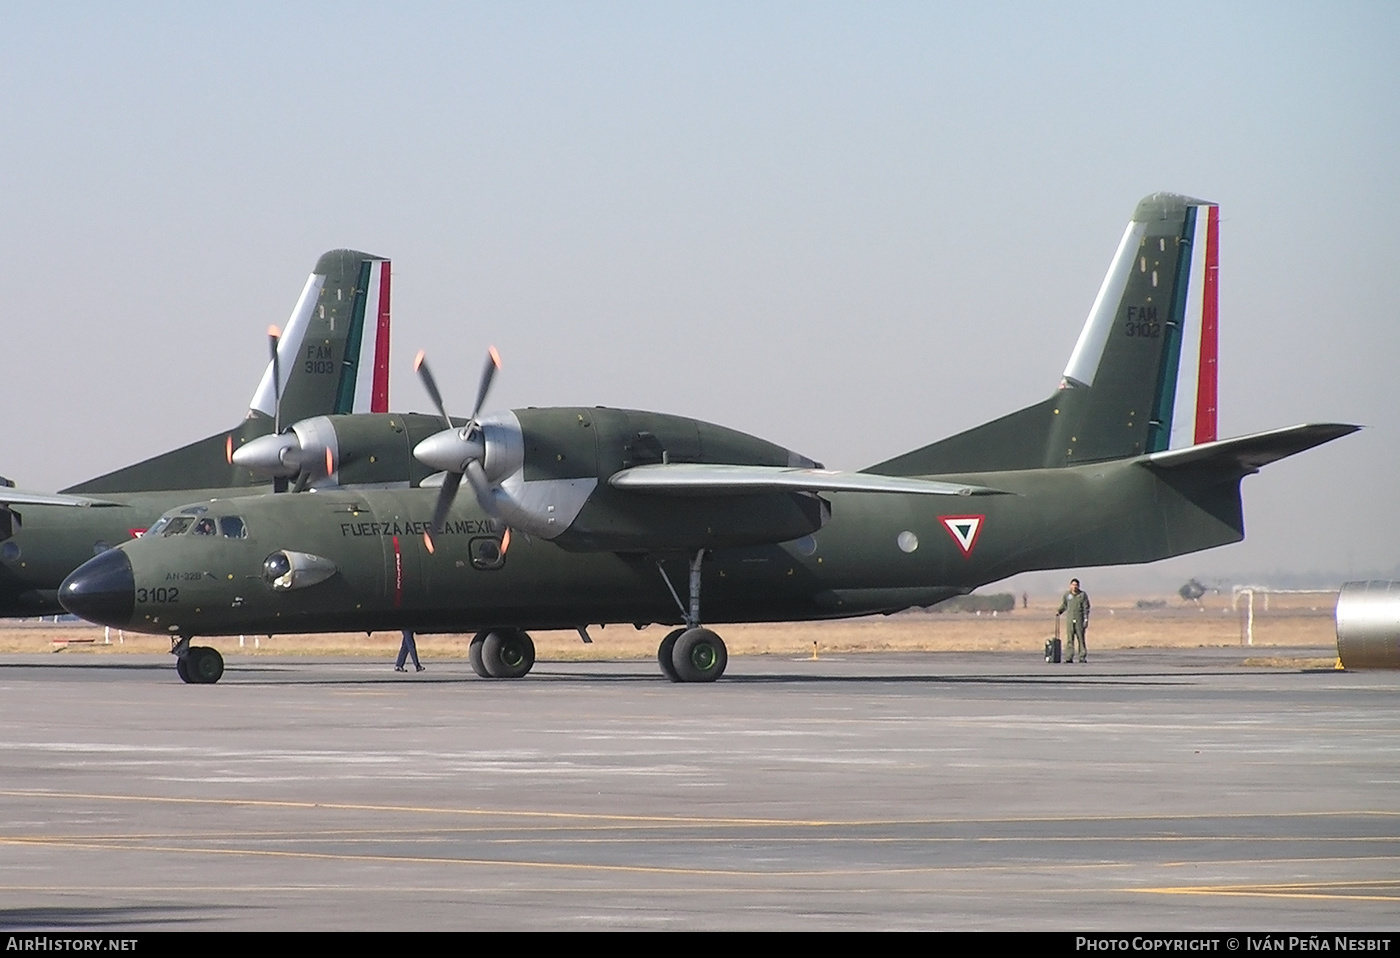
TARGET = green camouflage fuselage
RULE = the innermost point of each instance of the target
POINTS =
(1116, 512)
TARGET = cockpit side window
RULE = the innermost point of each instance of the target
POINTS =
(159, 527)
(177, 525)
(233, 527)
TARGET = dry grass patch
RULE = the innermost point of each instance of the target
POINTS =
(1116, 624)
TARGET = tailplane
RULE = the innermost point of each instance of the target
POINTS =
(1142, 376)
(333, 356)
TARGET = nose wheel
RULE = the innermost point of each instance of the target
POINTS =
(197, 664)
(692, 653)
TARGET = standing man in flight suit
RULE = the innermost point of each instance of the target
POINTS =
(1076, 603)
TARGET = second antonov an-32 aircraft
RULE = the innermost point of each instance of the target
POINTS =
(331, 361)
(581, 516)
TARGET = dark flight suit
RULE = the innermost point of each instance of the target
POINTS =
(1077, 623)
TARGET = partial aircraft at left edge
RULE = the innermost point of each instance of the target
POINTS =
(332, 359)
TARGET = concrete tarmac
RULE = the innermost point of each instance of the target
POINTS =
(1148, 790)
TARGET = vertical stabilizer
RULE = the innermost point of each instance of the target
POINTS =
(334, 358)
(1143, 374)
(1142, 377)
(334, 351)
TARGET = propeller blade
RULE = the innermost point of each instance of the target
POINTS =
(274, 336)
(446, 494)
(481, 486)
(485, 498)
(330, 463)
(228, 449)
(488, 373)
(420, 365)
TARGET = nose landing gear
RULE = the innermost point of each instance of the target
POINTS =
(197, 664)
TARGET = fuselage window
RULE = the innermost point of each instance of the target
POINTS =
(486, 553)
(232, 527)
(177, 525)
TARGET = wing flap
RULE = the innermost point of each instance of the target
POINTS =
(707, 479)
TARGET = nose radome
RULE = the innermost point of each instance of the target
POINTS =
(101, 590)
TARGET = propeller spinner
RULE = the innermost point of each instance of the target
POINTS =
(301, 452)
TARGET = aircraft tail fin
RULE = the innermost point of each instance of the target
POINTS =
(1143, 374)
(334, 358)
(334, 350)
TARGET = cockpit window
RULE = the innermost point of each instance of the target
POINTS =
(158, 528)
(232, 527)
(177, 525)
(205, 527)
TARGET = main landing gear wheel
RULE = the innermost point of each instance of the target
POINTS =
(699, 656)
(507, 654)
(691, 654)
(474, 655)
(200, 665)
(663, 654)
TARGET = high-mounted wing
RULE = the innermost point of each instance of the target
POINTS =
(11, 497)
(705, 479)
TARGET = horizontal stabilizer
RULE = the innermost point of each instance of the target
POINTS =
(1247, 454)
(705, 479)
(13, 497)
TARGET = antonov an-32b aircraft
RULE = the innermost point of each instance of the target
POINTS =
(580, 516)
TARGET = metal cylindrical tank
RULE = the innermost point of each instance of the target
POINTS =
(1368, 625)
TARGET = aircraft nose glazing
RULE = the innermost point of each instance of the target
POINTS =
(101, 590)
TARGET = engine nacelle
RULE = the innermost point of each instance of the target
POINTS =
(1368, 625)
(325, 452)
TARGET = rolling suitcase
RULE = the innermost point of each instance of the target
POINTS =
(1053, 649)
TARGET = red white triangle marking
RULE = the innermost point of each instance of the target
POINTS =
(964, 530)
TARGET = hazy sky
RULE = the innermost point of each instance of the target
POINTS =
(849, 228)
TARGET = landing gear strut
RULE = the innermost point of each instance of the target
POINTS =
(502, 654)
(691, 654)
(197, 664)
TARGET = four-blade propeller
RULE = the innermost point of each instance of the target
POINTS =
(459, 451)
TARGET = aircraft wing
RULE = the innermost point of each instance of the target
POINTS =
(706, 479)
(1251, 453)
(12, 497)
